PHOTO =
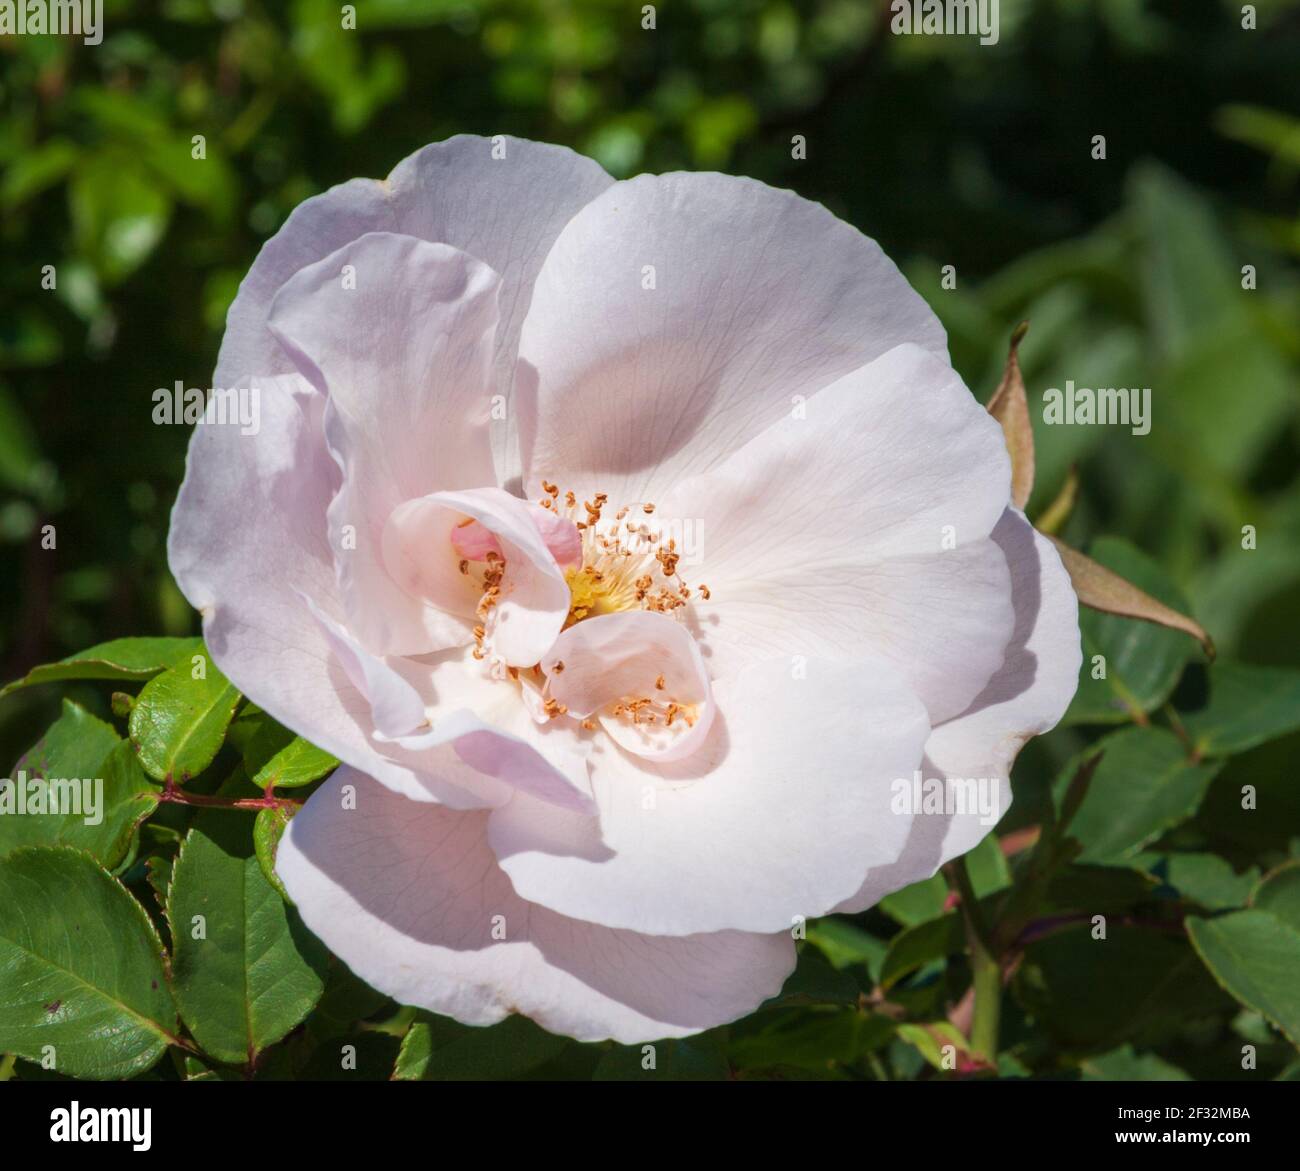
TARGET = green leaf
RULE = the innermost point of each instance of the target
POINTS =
(119, 212)
(81, 967)
(817, 1039)
(1135, 985)
(1268, 130)
(273, 755)
(437, 1048)
(932, 1038)
(1279, 893)
(814, 981)
(1208, 880)
(914, 947)
(690, 1059)
(926, 899)
(845, 945)
(33, 171)
(1097, 889)
(1248, 706)
(98, 813)
(1094, 890)
(1209, 334)
(257, 737)
(178, 722)
(1143, 785)
(122, 658)
(347, 999)
(245, 970)
(1255, 955)
(916, 903)
(268, 829)
(1126, 1065)
(158, 874)
(1142, 660)
(299, 763)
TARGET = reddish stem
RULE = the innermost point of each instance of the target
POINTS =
(172, 792)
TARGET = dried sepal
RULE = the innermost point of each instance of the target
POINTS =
(1010, 407)
(1105, 590)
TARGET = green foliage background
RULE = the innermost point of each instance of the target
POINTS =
(1129, 270)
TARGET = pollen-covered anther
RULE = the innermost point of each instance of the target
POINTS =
(493, 574)
(645, 710)
(626, 563)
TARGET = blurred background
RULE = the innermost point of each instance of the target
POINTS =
(1129, 268)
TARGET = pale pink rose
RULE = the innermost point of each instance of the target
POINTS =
(591, 776)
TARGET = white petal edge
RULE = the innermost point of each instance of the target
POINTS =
(501, 199)
(247, 543)
(1026, 698)
(410, 898)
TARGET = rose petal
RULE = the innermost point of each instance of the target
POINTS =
(489, 723)
(1026, 697)
(560, 535)
(627, 657)
(777, 816)
(247, 543)
(483, 720)
(758, 297)
(420, 555)
(474, 541)
(395, 706)
(411, 899)
(503, 200)
(403, 347)
(857, 528)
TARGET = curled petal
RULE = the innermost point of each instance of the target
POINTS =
(533, 600)
(642, 674)
(560, 534)
(501, 199)
(249, 579)
(482, 720)
(398, 333)
(395, 705)
(474, 541)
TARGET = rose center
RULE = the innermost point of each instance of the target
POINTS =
(629, 561)
(612, 564)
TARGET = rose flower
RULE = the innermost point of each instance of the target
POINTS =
(635, 546)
